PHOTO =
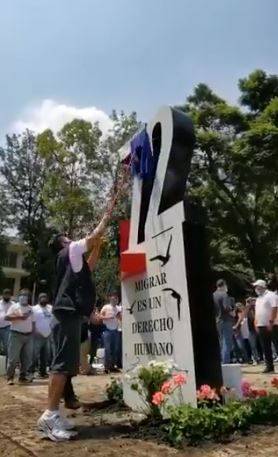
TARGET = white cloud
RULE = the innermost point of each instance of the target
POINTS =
(50, 114)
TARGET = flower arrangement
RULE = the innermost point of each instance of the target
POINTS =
(168, 387)
(248, 391)
(207, 394)
(274, 382)
(155, 383)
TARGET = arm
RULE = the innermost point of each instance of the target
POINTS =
(92, 240)
(14, 317)
(274, 309)
(103, 313)
(94, 255)
(239, 321)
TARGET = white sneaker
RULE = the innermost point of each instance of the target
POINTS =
(68, 425)
(54, 429)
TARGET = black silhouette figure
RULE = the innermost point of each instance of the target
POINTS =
(131, 308)
(177, 296)
(164, 259)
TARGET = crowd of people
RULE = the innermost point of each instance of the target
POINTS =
(26, 337)
(248, 331)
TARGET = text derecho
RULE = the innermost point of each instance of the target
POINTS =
(161, 324)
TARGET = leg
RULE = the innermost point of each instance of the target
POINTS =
(265, 336)
(227, 341)
(241, 346)
(4, 339)
(85, 367)
(56, 387)
(14, 350)
(220, 336)
(26, 356)
(275, 338)
(94, 346)
(120, 351)
(107, 347)
(114, 348)
(36, 352)
(44, 356)
(253, 344)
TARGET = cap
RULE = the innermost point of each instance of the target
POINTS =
(260, 283)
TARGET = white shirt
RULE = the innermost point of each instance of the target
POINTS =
(19, 310)
(111, 312)
(4, 306)
(76, 251)
(263, 308)
(43, 319)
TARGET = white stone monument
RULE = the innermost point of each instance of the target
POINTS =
(156, 309)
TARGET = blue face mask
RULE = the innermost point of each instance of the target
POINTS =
(23, 300)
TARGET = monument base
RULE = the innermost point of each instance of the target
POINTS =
(232, 378)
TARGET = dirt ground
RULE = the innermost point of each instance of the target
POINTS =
(103, 434)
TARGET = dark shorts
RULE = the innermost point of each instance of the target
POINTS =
(66, 338)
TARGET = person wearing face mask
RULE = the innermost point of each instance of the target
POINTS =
(43, 317)
(5, 304)
(225, 315)
(20, 347)
(265, 316)
(111, 315)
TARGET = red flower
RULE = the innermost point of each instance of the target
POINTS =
(179, 379)
(207, 393)
(158, 398)
(246, 388)
(262, 393)
(205, 390)
(166, 387)
(274, 382)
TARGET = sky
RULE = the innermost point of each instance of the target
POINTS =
(61, 59)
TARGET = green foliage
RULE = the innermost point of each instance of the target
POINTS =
(73, 174)
(264, 410)
(148, 380)
(194, 425)
(25, 172)
(258, 89)
(114, 391)
(234, 175)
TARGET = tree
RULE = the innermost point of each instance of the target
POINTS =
(234, 173)
(73, 176)
(24, 173)
(82, 168)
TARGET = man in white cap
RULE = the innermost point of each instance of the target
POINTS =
(265, 315)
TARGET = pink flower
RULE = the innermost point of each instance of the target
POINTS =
(158, 398)
(207, 393)
(166, 387)
(274, 382)
(262, 393)
(205, 390)
(246, 388)
(179, 379)
(256, 393)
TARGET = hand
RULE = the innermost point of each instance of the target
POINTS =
(270, 327)
(26, 315)
(95, 318)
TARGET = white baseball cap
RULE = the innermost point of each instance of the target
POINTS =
(260, 283)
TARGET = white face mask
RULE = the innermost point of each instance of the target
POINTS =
(23, 300)
(259, 291)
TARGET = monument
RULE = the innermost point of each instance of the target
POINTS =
(167, 307)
